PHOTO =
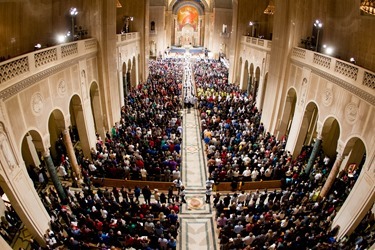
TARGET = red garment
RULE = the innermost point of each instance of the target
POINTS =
(98, 225)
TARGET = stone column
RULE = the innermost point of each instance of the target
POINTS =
(332, 176)
(55, 179)
(314, 153)
(70, 150)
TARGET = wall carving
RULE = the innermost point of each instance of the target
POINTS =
(351, 112)
(13, 69)
(6, 152)
(37, 103)
(45, 57)
(327, 97)
(61, 88)
(346, 70)
(303, 91)
(322, 61)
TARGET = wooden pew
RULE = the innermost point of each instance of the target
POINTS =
(106, 182)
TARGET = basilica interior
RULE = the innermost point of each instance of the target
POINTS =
(67, 67)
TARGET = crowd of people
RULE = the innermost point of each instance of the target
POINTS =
(238, 149)
(146, 145)
(237, 145)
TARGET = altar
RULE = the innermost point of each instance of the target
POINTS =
(187, 29)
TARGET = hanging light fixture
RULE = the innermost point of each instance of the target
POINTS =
(368, 6)
(270, 10)
(118, 4)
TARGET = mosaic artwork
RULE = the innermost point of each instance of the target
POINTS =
(187, 15)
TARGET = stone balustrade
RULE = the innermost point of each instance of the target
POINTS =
(24, 66)
(257, 42)
(128, 37)
(351, 75)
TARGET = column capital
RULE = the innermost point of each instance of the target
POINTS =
(46, 153)
(339, 157)
(65, 131)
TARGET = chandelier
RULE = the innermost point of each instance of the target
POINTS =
(368, 6)
(270, 10)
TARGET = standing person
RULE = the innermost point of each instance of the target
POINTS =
(157, 195)
(61, 172)
(146, 191)
(163, 242)
(170, 194)
(137, 193)
(172, 243)
(178, 184)
(208, 194)
(182, 194)
(42, 181)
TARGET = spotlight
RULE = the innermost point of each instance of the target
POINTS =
(329, 50)
(352, 60)
(37, 46)
(61, 38)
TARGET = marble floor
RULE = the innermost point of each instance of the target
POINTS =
(197, 225)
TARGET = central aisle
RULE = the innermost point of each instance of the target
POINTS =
(197, 226)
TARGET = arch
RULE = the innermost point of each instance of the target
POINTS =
(263, 92)
(255, 86)
(250, 87)
(201, 6)
(128, 74)
(330, 134)
(124, 79)
(31, 152)
(308, 127)
(355, 151)
(245, 76)
(238, 74)
(288, 113)
(56, 123)
(133, 73)
(79, 134)
(22, 192)
(96, 108)
(140, 75)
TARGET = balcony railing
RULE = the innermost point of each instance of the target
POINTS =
(21, 67)
(126, 37)
(348, 72)
(257, 42)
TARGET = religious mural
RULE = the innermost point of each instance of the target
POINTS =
(187, 15)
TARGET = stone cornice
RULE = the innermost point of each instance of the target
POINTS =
(29, 81)
(341, 83)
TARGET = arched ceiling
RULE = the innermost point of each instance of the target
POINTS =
(205, 4)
